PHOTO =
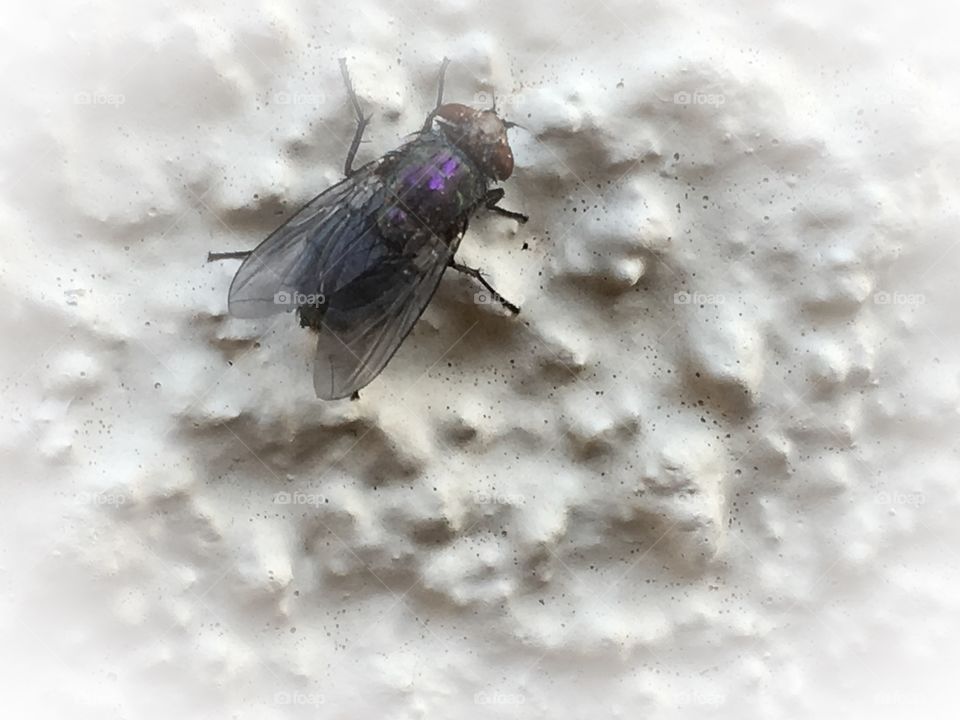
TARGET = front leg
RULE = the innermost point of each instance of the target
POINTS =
(496, 195)
(428, 123)
(476, 275)
(362, 120)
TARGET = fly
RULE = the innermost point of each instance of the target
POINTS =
(360, 262)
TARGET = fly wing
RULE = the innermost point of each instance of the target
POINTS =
(366, 320)
(326, 243)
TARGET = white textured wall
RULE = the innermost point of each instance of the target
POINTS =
(709, 471)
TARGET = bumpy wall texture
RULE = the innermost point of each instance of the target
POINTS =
(709, 471)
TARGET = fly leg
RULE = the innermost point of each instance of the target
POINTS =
(362, 123)
(361, 120)
(496, 195)
(433, 113)
(476, 275)
(236, 255)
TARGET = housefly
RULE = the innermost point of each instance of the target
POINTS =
(360, 261)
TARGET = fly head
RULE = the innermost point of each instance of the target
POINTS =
(481, 134)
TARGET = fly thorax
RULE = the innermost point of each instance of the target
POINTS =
(432, 192)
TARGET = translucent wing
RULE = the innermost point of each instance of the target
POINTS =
(328, 242)
(366, 320)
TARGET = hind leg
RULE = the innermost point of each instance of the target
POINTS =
(236, 255)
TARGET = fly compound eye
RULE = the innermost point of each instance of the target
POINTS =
(455, 113)
(502, 158)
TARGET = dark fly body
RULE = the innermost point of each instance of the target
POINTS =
(361, 260)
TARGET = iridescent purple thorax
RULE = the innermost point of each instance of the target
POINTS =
(433, 188)
(439, 177)
(435, 174)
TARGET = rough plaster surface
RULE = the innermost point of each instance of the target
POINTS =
(709, 471)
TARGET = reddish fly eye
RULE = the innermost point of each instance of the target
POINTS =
(502, 161)
(482, 135)
(455, 113)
